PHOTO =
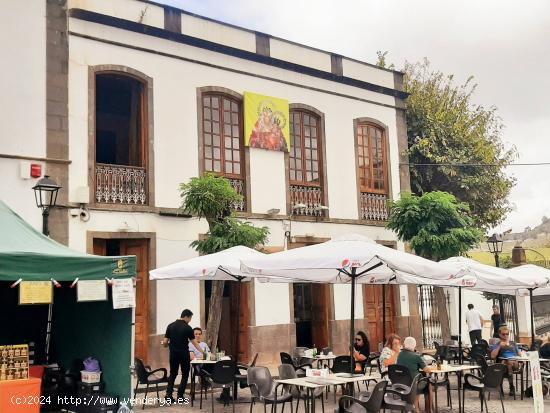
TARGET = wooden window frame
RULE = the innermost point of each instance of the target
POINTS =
(322, 162)
(320, 147)
(147, 135)
(243, 150)
(384, 141)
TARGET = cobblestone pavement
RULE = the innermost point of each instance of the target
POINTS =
(472, 404)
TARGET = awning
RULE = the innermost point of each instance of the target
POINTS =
(26, 253)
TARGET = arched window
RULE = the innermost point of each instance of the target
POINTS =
(306, 163)
(372, 171)
(222, 140)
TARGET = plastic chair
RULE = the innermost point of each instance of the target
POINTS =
(287, 359)
(491, 382)
(149, 377)
(222, 376)
(373, 404)
(263, 389)
(406, 399)
(286, 371)
(342, 364)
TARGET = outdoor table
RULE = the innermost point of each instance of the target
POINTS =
(323, 357)
(194, 363)
(525, 379)
(312, 383)
(20, 396)
(457, 369)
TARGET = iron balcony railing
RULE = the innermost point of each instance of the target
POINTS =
(120, 184)
(310, 196)
(239, 186)
(373, 207)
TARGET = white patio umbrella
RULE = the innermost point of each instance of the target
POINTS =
(347, 259)
(521, 280)
(224, 265)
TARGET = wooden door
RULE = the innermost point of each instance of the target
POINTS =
(373, 309)
(243, 316)
(319, 315)
(140, 248)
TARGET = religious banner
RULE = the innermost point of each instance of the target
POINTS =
(266, 122)
(35, 292)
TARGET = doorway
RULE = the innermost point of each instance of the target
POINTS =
(374, 310)
(139, 248)
(311, 314)
(228, 336)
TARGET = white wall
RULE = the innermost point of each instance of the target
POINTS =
(272, 303)
(132, 10)
(342, 301)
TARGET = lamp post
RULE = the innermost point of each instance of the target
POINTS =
(495, 243)
(45, 194)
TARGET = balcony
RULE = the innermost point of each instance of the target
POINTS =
(239, 186)
(311, 196)
(373, 207)
(120, 184)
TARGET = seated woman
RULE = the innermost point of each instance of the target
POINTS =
(390, 352)
(505, 349)
(361, 351)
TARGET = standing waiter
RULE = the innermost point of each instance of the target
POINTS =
(177, 337)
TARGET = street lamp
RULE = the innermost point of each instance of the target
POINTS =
(495, 243)
(45, 194)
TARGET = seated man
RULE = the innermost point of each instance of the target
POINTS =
(194, 352)
(505, 349)
(415, 363)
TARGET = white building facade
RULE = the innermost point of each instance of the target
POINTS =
(120, 102)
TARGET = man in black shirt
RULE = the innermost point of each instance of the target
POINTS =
(177, 338)
(497, 320)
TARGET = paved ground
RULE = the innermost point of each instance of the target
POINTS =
(472, 405)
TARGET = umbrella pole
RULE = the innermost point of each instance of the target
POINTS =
(383, 313)
(239, 285)
(532, 319)
(460, 325)
(48, 333)
(352, 320)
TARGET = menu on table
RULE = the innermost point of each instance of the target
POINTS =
(14, 362)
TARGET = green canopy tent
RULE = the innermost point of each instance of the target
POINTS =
(79, 329)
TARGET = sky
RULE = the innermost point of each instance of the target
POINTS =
(504, 44)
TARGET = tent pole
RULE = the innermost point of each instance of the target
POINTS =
(532, 319)
(48, 333)
(352, 320)
(460, 325)
(383, 313)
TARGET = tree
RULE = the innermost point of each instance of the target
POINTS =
(455, 145)
(212, 198)
(437, 227)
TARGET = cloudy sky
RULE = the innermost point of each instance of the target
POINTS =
(504, 44)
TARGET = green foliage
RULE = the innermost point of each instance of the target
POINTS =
(436, 224)
(209, 197)
(445, 128)
(230, 233)
(212, 198)
(381, 60)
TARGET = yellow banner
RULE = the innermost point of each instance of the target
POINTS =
(266, 122)
(35, 292)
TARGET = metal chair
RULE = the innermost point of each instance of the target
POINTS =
(263, 389)
(372, 404)
(222, 376)
(286, 371)
(149, 377)
(287, 359)
(491, 382)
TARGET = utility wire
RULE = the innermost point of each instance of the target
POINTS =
(476, 164)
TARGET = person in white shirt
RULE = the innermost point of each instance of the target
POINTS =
(193, 351)
(474, 322)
